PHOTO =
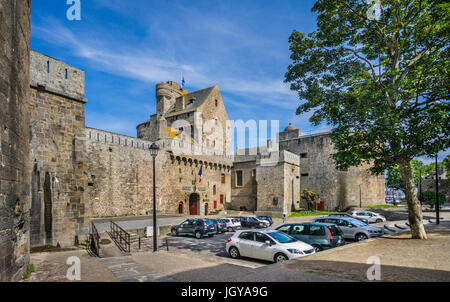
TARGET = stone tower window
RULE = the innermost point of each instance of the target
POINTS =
(48, 66)
(214, 190)
(303, 155)
(217, 103)
(239, 178)
(65, 74)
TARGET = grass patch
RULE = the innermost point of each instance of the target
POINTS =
(30, 269)
(309, 213)
(384, 206)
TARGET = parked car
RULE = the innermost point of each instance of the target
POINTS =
(267, 245)
(232, 224)
(345, 215)
(267, 218)
(352, 228)
(221, 225)
(251, 223)
(265, 222)
(195, 227)
(370, 216)
(319, 235)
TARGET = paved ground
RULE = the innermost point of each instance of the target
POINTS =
(402, 258)
(190, 259)
(52, 267)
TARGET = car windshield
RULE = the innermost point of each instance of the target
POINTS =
(357, 222)
(253, 219)
(281, 238)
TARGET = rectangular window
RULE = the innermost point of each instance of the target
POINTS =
(222, 178)
(65, 74)
(254, 176)
(239, 179)
(303, 155)
(305, 174)
(48, 66)
(221, 198)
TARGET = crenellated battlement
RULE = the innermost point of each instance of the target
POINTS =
(52, 75)
(114, 138)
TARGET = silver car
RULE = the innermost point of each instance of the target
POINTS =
(232, 224)
(267, 245)
(370, 216)
(352, 228)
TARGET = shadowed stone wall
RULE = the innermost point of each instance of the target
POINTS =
(14, 142)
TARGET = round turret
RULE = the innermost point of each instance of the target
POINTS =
(290, 127)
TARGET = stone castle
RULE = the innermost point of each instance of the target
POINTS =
(56, 174)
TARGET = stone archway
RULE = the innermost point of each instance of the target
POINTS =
(194, 204)
(180, 207)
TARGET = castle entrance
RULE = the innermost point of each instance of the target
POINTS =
(194, 200)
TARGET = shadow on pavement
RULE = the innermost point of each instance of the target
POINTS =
(358, 271)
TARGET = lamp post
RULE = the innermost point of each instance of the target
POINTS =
(437, 190)
(360, 199)
(154, 152)
(420, 182)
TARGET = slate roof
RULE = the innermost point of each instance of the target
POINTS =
(198, 97)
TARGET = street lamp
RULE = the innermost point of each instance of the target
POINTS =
(360, 199)
(420, 182)
(154, 152)
(437, 189)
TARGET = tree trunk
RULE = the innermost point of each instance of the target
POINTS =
(414, 209)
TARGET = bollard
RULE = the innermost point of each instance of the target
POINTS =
(139, 242)
(167, 244)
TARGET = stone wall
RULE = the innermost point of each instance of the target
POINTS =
(244, 196)
(120, 172)
(14, 143)
(338, 189)
(444, 186)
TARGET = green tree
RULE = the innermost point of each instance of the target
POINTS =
(429, 197)
(382, 84)
(311, 198)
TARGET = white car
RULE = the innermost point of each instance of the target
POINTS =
(267, 245)
(232, 224)
(370, 216)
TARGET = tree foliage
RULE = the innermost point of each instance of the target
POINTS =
(429, 197)
(382, 84)
(311, 197)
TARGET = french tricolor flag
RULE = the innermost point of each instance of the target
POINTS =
(182, 81)
(200, 175)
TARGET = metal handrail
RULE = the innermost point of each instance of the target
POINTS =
(120, 236)
(95, 239)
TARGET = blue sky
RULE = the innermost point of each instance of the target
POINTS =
(126, 47)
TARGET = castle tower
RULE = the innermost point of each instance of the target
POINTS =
(166, 94)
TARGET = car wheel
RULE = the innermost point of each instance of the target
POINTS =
(210, 235)
(174, 233)
(230, 229)
(378, 220)
(317, 248)
(198, 235)
(361, 237)
(234, 252)
(280, 258)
